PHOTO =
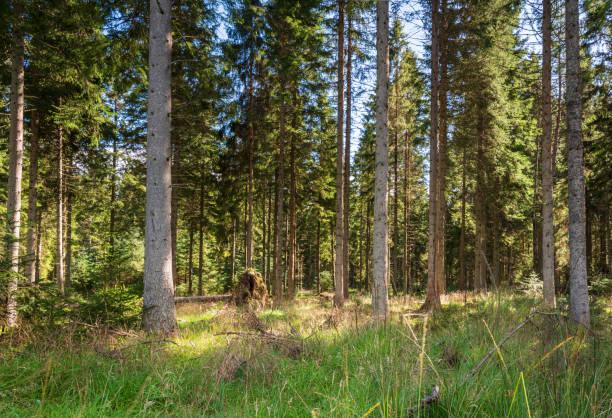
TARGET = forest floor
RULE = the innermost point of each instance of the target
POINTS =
(304, 359)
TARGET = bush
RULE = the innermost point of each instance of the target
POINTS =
(531, 285)
(600, 285)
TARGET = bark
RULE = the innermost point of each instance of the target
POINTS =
(380, 257)
(347, 156)
(462, 272)
(249, 232)
(233, 259)
(579, 296)
(30, 272)
(201, 235)
(13, 199)
(480, 272)
(277, 288)
(264, 257)
(407, 214)
(395, 248)
(190, 267)
(318, 256)
(537, 235)
(176, 172)
(38, 248)
(59, 257)
(338, 271)
(269, 242)
(69, 196)
(440, 267)
(432, 300)
(548, 235)
(368, 250)
(113, 198)
(159, 314)
(292, 223)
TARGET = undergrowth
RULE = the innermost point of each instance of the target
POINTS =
(345, 365)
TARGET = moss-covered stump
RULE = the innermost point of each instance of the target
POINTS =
(250, 286)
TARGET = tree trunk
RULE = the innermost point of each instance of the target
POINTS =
(440, 267)
(69, 195)
(462, 272)
(32, 199)
(278, 236)
(579, 296)
(113, 198)
(548, 236)
(432, 300)
(38, 248)
(292, 223)
(59, 257)
(318, 256)
(201, 235)
(480, 269)
(380, 257)
(368, 250)
(233, 260)
(347, 156)
(269, 242)
(190, 268)
(537, 235)
(395, 241)
(249, 234)
(176, 172)
(338, 271)
(159, 314)
(407, 214)
(264, 271)
(603, 239)
(13, 200)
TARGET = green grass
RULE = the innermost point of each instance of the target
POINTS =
(348, 366)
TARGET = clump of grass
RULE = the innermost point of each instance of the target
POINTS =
(352, 368)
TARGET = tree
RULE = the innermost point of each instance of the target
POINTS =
(159, 315)
(579, 295)
(380, 258)
(13, 201)
(548, 238)
(432, 300)
(338, 270)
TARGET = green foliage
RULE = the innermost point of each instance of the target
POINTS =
(531, 285)
(600, 285)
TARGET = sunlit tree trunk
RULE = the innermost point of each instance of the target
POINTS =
(292, 223)
(407, 214)
(59, 256)
(13, 198)
(380, 258)
(190, 268)
(338, 270)
(159, 314)
(432, 300)
(201, 235)
(278, 236)
(462, 273)
(579, 296)
(32, 199)
(69, 196)
(249, 234)
(347, 155)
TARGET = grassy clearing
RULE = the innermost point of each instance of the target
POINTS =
(346, 366)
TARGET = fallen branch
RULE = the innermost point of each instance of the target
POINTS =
(207, 298)
(433, 398)
(498, 346)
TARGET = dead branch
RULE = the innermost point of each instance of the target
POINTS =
(207, 298)
(433, 398)
(498, 346)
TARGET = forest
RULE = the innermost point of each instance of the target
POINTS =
(306, 208)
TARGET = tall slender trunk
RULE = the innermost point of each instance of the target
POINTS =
(480, 269)
(380, 257)
(338, 271)
(368, 251)
(233, 260)
(407, 214)
(395, 250)
(32, 199)
(190, 268)
(318, 256)
(440, 268)
(278, 236)
(537, 236)
(347, 155)
(603, 239)
(159, 313)
(201, 235)
(333, 245)
(113, 198)
(264, 256)
(38, 247)
(13, 201)
(269, 242)
(548, 237)
(174, 207)
(249, 233)
(292, 222)
(462, 272)
(59, 257)
(579, 296)
(432, 300)
(69, 196)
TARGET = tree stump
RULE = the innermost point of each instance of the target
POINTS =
(250, 287)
